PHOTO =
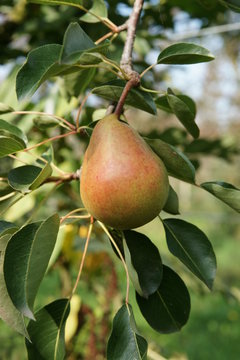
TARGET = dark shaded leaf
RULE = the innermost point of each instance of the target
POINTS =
(77, 43)
(47, 332)
(190, 245)
(177, 164)
(183, 112)
(136, 98)
(124, 342)
(167, 310)
(172, 204)
(184, 53)
(143, 261)
(8, 312)
(163, 104)
(7, 227)
(29, 249)
(225, 192)
(28, 177)
(77, 83)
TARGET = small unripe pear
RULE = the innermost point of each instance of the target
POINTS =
(124, 183)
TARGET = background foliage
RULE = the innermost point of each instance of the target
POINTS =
(214, 318)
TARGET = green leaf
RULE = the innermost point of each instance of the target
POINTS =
(76, 3)
(183, 112)
(41, 64)
(172, 204)
(47, 332)
(177, 164)
(190, 245)
(8, 312)
(167, 310)
(124, 342)
(75, 43)
(28, 177)
(26, 260)
(163, 104)
(4, 109)
(98, 8)
(8, 129)
(184, 53)
(45, 122)
(136, 98)
(9, 145)
(225, 192)
(7, 227)
(77, 83)
(148, 273)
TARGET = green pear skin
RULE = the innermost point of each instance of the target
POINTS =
(124, 184)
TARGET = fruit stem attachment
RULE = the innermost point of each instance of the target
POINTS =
(133, 82)
(120, 255)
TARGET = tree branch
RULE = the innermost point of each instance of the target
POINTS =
(63, 179)
(126, 60)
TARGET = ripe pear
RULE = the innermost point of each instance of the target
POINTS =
(124, 184)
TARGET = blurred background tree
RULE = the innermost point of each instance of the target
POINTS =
(213, 330)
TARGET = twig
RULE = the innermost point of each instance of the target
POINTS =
(126, 60)
(121, 257)
(71, 126)
(80, 109)
(66, 178)
(70, 213)
(117, 30)
(50, 139)
(83, 257)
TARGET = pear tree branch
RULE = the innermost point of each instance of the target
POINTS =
(126, 60)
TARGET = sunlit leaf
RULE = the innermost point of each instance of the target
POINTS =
(99, 9)
(188, 243)
(184, 53)
(4, 109)
(167, 310)
(47, 332)
(26, 260)
(125, 343)
(225, 192)
(76, 3)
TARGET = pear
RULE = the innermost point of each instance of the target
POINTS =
(124, 184)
